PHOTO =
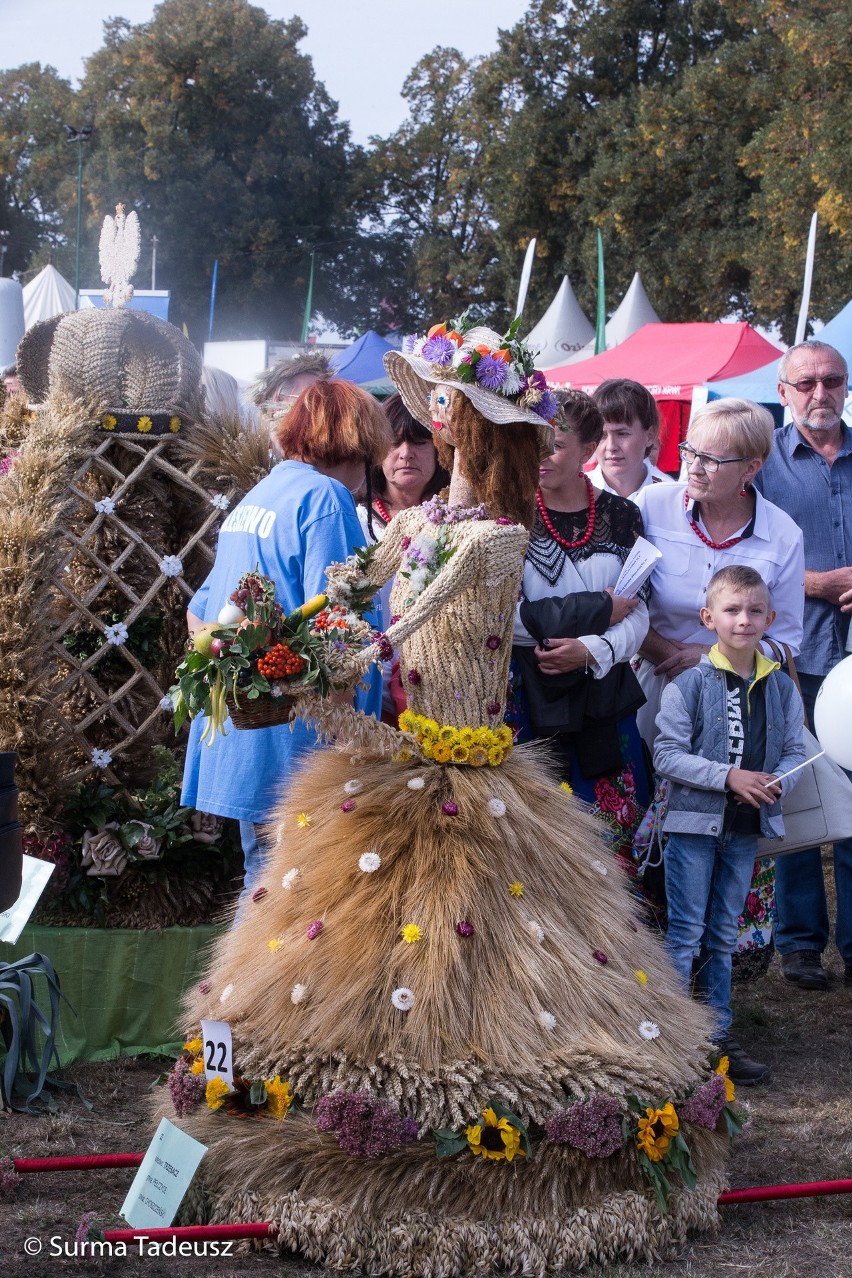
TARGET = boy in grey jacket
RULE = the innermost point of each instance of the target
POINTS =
(725, 727)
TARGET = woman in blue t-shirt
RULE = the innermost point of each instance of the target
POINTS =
(299, 519)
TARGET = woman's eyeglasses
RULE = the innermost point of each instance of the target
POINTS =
(708, 463)
(807, 384)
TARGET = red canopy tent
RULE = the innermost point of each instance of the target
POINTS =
(671, 359)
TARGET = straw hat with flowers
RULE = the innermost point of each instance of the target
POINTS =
(497, 374)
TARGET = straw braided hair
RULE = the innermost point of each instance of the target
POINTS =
(500, 463)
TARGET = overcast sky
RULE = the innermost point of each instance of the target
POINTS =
(361, 52)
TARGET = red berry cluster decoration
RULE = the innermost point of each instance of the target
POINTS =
(280, 662)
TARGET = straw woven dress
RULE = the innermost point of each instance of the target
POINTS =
(523, 983)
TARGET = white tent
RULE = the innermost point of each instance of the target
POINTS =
(47, 295)
(563, 330)
(634, 311)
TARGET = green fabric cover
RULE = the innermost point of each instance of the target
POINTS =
(124, 986)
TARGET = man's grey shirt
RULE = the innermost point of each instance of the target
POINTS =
(819, 498)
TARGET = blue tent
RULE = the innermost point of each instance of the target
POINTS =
(762, 384)
(362, 361)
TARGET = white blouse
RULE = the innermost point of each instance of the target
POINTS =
(594, 573)
(679, 580)
(652, 476)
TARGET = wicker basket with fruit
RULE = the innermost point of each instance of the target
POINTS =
(254, 661)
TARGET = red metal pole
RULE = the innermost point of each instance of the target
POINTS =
(85, 1162)
(91, 1162)
(764, 1193)
(193, 1233)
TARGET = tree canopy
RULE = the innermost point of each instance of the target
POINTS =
(697, 135)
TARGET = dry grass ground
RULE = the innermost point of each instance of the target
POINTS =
(801, 1129)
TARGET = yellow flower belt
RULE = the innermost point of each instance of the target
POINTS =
(445, 744)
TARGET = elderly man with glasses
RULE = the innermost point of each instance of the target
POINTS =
(809, 474)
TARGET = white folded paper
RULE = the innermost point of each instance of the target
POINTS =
(35, 876)
(637, 568)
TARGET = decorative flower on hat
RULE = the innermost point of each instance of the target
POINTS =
(494, 1137)
(502, 367)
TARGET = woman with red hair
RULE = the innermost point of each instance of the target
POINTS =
(300, 518)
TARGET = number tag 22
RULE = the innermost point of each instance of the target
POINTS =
(218, 1051)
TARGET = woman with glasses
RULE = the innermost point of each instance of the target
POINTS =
(718, 518)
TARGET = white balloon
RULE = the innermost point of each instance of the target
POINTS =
(230, 615)
(833, 714)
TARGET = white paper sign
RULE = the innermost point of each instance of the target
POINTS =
(218, 1051)
(637, 568)
(35, 876)
(163, 1178)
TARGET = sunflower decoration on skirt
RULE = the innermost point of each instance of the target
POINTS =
(497, 1137)
(500, 1135)
(656, 1131)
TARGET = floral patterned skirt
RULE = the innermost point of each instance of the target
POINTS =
(619, 799)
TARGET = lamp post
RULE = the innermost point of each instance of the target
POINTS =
(79, 136)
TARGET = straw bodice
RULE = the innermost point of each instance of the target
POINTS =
(455, 635)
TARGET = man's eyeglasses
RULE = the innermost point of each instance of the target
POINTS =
(807, 384)
(706, 461)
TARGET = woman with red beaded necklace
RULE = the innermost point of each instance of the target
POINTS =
(574, 637)
(716, 518)
(409, 475)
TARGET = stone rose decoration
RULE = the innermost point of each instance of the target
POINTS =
(206, 828)
(103, 854)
